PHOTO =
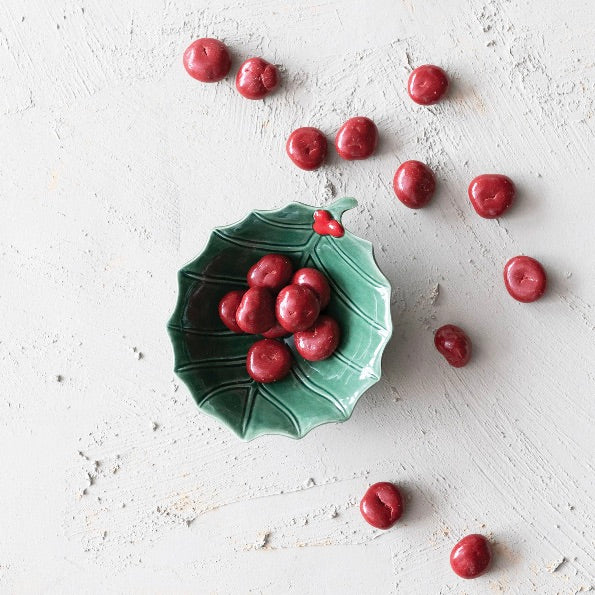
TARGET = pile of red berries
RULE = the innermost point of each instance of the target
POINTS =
(280, 303)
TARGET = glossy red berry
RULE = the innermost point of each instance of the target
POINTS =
(297, 308)
(454, 344)
(382, 505)
(357, 138)
(491, 195)
(471, 557)
(427, 84)
(276, 332)
(525, 278)
(256, 312)
(207, 60)
(307, 148)
(319, 341)
(272, 271)
(256, 78)
(414, 184)
(268, 360)
(316, 281)
(228, 307)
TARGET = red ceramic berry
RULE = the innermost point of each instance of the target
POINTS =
(256, 312)
(325, 225)
(454, 344)
(524, 278)
(268, 360)
(316, 281)
(228, 307)
(297, 308)
(427, 84)
(491, 195)
(357, 138)
(307, 147)
(207, 60)
(471, 557)
(382, 505)
(414, 184)
(276, 332)
(320, 340)
(272, 271)
(256, 78)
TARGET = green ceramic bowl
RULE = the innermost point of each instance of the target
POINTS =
(211, 360)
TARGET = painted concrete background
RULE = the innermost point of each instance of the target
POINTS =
(115, 164)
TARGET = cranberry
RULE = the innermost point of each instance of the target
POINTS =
(414, 184)
(306, 147)
(357, 138)
(320, 340)
(268, 360)
(207, 60)
(276, 332)
(228, 307)
(471, 557)
(382, 505)
(524, 278)
(272, 271)
(256, 78)
(297, 308)
(491, 195)
(256, 312)
(316, 281)
(427, 84)
(454, 344)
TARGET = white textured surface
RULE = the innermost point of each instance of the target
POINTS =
(114, 166)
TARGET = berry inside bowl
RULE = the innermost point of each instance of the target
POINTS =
(211, 359)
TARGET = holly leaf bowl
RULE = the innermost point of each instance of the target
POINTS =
(211, 360)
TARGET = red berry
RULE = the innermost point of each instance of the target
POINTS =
(256, 312)
(491, 195)
(207, 60)
(524, 278)
(471, 557)
(316, 281)
(427, 84)
(454, 344)
(297, 308)
(228, 307)
(268, 360)
(306, 147)
(357, 138)
(320, 340)
(382, 505)
(414, 184)
(276, 332)
(272, 271)
(325, 225)
(256, 78)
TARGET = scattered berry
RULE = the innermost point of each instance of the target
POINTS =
(356, 139)
(454, 344)
(524, 278)
(471, 557)
(382, 505)
(491, 195)
(427, 84)
(256, 78)
(307, 147)
(207, 60)
(414, 184)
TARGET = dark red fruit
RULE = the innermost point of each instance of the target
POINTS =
(491, 195)
(524, 278)
(427, 84)
(320, 340)
(325, 225)
(316, 281)
(256, 78)
(471, 557)
(454, 344)
(382, 505)
(256, 312)
(276, 332)
(207, 60)
(297, 308)
(272, 271)
(228, 307)
(357, 138)
(307, 147)
(268, 360)
(414, 184)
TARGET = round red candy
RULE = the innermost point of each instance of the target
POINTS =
(491, 195)
(320, 340)
(454, 344)
(207, 60)
(471, 557)
(414, 184)
(307, 147)
(256, 78)
(256, 312)
(427, 84)
(357, 138)
(228, 307)
(524, 278)
(268, 360)
(272, 271)
(382, 505)
(297, 308)
(316, 281)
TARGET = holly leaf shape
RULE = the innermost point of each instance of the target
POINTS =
(211, 360)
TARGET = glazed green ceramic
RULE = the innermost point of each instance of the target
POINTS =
(211, 360)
